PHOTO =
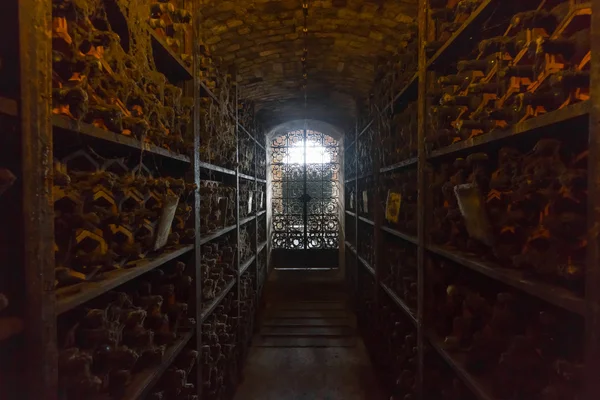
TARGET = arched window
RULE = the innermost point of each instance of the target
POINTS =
(305, 189)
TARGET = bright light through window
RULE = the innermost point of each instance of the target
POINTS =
(315, 154)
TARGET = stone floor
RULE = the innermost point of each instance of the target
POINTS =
(307, 348)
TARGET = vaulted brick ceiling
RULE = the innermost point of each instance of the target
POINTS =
(264, 40)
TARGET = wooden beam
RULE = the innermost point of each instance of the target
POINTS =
(421, 111)
(35, 18)
(592, 276)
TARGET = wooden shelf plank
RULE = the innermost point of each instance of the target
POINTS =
(349, 245)
(260, 213)
(67, 299)
(366, 265)
(556, 295)
(208, 310)
(366, 128)
(246, 220)
(247, 177)
(261, 180)
(457, 39)
(408, 238)
(143, 382)
(262, 246)
(350, 213)
(366, 220)
(9, 107)
(456, 361)
(167, 61)
(246, 265)
(216, 168)
(403, 92)
(399, 302)
(350, 145)
(403, 164)
(528, 126)
(217, 234)
(65, 123)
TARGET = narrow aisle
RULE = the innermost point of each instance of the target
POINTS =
(308, 349)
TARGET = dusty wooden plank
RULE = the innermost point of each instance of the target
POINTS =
(167, 61)
(73, 296)
(457, 361)
(35, 48)
(210, 307)
(65, 123)
(553, 294)
(592, 274)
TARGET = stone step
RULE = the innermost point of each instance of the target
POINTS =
(307, 331)
(305, 342)
(295, 314)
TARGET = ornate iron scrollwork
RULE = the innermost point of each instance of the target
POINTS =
(305, 191)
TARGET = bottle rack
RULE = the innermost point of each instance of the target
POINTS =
(420, 266)
(41, 147)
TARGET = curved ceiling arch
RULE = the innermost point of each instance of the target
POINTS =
(315, 125)
(263, 39)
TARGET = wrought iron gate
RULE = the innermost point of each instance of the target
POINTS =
(305, 170)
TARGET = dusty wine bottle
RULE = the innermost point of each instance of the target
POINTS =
(570, 80)
(518, 71)
(159, 9)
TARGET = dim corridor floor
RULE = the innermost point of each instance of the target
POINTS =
(307, 348)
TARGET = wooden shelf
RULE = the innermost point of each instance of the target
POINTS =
(260, 213)
(247, 265)
(350, 144)
(366, 128)
(9, 107)
(143, 382)
(552, 294)
(349, 245)
(262, 246)
(216, 168)
(89, 130)
(399, 302)
(543, 121)
(366, 265)
(408, 238)
(366, 220)
(261, 180)
(247, 177)
(251, 135)
(403, 92)
(72, 296)
(214, 235)
(246, 220)
(167, 61)
(457, 362)
(400, 165)
(459, 37)
(208, 310)
(350, 213)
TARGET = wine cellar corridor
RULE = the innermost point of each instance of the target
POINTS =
(299, 200)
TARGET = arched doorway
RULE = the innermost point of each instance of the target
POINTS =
(305, 189)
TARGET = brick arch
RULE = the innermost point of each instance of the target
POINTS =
(263, 39)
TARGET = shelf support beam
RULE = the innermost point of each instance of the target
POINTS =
(35, 22)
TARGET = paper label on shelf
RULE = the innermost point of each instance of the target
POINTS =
(392, 206)
(352, 200)
(261, 200)
(365, 198)
(167, 214)
(250, 196)
(472, 208)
